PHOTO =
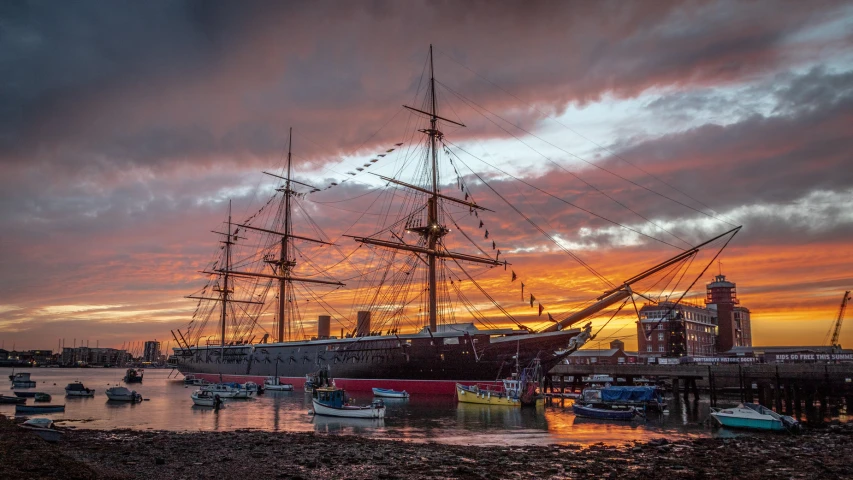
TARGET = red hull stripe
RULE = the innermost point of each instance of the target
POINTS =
(437, 387)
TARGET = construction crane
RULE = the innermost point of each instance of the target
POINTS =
(837, 329)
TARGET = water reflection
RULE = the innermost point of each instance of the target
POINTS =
(595, 423)
(421, 418)
(120, 404)
(346, 425)
(474, 416)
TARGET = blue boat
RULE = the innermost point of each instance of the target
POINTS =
(388, 393)
(643, 398)
(753, 417)
(603, 413)
(39, 408)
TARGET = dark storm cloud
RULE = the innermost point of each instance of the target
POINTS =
(785, 176)
(817, 89)
(155, 83)
(762, 159)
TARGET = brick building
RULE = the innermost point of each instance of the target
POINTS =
(733, 322)
(667, 329)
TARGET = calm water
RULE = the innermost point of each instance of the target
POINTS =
(419, 419)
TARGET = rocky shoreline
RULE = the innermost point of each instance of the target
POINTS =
(127, 454)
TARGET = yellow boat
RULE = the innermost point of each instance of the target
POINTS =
(485, 396)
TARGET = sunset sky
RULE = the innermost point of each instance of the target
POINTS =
(126, 128)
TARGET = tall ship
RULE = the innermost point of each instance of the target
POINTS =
(264, 269)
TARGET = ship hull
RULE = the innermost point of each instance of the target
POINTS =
(418, 363)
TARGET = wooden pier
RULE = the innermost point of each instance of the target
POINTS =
(785, 387)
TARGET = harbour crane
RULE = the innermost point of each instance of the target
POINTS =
(837, 329)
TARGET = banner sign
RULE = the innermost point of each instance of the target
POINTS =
(807, 357)
(715, 360)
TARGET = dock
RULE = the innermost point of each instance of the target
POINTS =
(786, 387)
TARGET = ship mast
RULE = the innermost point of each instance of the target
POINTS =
(433, 231)
(225, 290)
(436, 231)
(283, 265)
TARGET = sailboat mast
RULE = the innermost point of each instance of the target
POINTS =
(432, 208)
(285, 264)
(225, 278)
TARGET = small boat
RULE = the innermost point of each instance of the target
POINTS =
(42, 397)
(200, 382)
(205, 398)
(603, 413)
(642, 398)
(133, 376)
(753, 416)
(388, 393)
(39, 408)
(253, 387)
(39, 423)
(122, 394)
(485, 395)
(22, 380)
(76, 389)
(332, 402)
(274, 384)
(25, 394)
(314, 380)
(189, 379)
(519, 390)
(10, 399)
(43, 427)
(228, 390)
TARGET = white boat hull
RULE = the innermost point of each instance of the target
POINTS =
(379, 392)
(279, 388)
(204, 400)
(227, 392)
(121, 394)
(750, 416)
(372, 411)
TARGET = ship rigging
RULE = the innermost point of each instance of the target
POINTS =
(269, 269)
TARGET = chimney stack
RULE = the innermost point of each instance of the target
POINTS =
(324, 323)
(362, 328)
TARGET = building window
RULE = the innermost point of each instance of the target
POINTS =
(648, 348)
(660, 348)
(660, 336)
